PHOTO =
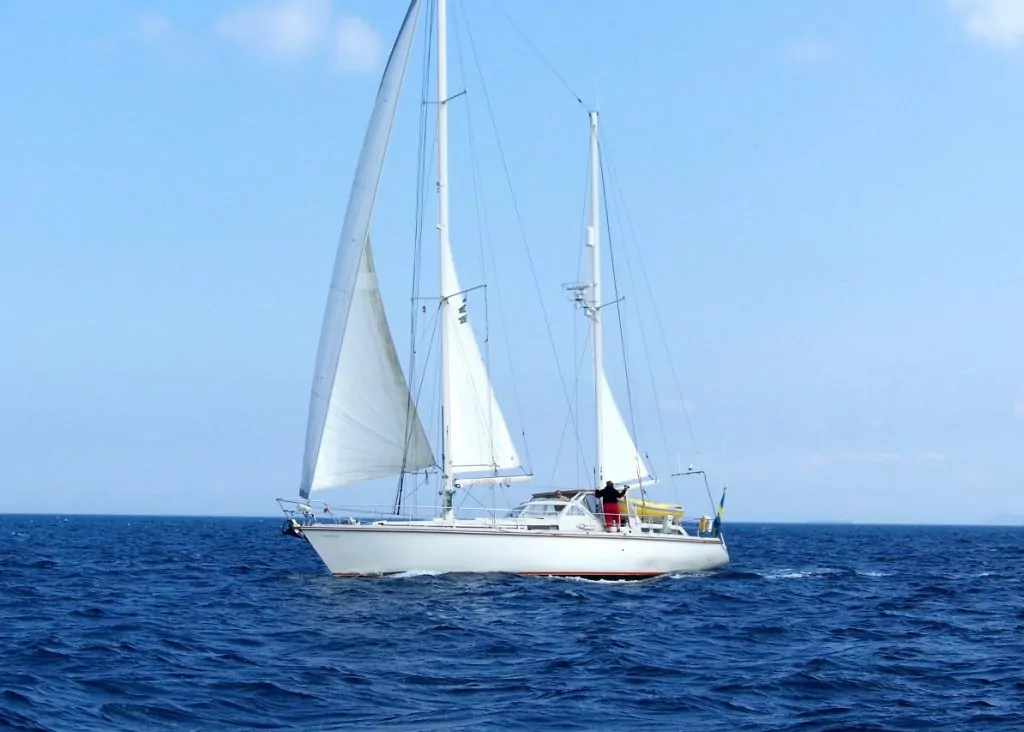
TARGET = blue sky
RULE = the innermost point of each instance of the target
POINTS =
(826, 195)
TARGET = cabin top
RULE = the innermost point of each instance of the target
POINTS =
(567, 494)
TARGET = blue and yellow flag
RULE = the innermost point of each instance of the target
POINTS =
(717, 525)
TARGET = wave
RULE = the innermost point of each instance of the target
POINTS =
(210, 624)
(413, 573)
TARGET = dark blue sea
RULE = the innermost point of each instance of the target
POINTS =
(194, 623)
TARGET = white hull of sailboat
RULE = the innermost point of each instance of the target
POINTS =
(353, 550)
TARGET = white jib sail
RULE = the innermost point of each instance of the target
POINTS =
(621, 462)
(354, 233)
(479, 439)
(372, 428)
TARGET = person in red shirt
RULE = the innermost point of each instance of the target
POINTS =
(610, 504)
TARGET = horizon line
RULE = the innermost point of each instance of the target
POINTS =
(1012, 523)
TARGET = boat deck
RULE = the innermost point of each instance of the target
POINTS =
(557, 512)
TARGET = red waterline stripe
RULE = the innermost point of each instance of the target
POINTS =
(594, 574)
(532, 574)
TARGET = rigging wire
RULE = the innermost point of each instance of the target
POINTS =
(480, 234)
(618, 312)
(617, 197)
(542, 57)
(582, 458)
(484, 233)
(519, 220)
(577, 355)
(482, 228)
(657, 316)
(436, 416)
(421, 194)
(661, 331)
(575, 406)
(423, 376)
(575, 336)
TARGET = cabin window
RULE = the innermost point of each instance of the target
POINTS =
(541, 510)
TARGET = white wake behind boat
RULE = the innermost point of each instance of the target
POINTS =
(364, 423)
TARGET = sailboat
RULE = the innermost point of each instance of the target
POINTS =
(364, 424)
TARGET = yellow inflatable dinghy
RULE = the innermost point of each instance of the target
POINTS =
(651, 510)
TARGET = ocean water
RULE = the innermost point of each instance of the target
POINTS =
(191, 623)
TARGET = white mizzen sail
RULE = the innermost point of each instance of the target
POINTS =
(354, 233)
(372, 427)
(621, 462)
(479, 439)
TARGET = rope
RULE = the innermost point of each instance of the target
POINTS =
(519, 221)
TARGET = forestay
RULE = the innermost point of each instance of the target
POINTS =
(324, 425)
(479, 439)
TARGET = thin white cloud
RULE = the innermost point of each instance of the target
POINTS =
(284, 30)
(995, 23)
(811, 51)
(154, 30)
(1018, 408)
(820, 460)
(356, 46)
(294, 30)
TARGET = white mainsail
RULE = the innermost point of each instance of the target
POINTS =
(479, 439)
(347, 263)
(622, 463)
(372, 428)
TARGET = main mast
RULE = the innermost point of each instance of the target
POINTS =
(443, 250)
(593, 243)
